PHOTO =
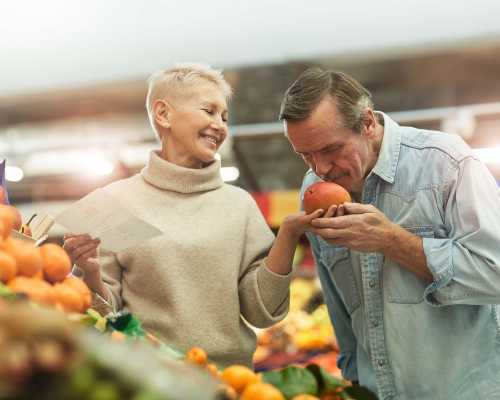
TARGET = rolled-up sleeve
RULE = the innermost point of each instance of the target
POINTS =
(466, 264)
(264, 295)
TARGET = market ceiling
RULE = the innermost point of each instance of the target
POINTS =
(61, 44)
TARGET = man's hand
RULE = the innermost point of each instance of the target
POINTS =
(83, 251)
(364, 228)
(360, 227)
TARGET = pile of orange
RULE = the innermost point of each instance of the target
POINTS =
(42, 273)
(239, 382)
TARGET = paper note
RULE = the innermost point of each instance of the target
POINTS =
(101, 216)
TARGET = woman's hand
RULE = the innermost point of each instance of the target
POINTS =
(296, 224)
(83, 251)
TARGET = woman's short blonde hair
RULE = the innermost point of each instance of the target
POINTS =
(169, 84)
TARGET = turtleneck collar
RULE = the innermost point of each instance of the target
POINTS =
(165, 175)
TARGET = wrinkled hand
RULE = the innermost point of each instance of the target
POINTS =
(360, 227)
(83, 251)
(297, 224)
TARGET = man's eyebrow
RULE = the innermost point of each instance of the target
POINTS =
(327, 147)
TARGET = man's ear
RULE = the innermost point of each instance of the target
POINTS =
(369, 122)
(161, 113)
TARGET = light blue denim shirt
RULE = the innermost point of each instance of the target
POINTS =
(401, 338)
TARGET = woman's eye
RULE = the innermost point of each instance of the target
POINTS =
(208, 111)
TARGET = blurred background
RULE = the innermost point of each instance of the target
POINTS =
(73, 73)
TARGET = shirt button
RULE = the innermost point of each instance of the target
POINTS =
(375, 323)
(372, 283)
(381, 363)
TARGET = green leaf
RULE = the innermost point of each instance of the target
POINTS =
(360, 393)
(327, 383)
(134, 328)
(292, 381)
(120, 320)
(126, 323)
(6, 292)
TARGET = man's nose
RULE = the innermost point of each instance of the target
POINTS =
(321, 166)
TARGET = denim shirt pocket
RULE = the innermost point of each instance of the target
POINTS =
(403, 286)
(337, 260)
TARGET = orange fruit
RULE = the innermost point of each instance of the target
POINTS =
(239, 376)
(261, 391)
(8, 267)
(213, 370)
(37, 290)
(8, 217)
(118, 336)
(39, 275)
(18, 220)
(80, 286)
(305, 397)
(67, 298)
(196, 355)
(323, 195)
(56, 262)
(28, 257)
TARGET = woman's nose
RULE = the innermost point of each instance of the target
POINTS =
(219, 124)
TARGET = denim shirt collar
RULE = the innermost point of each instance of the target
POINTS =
(388, 157)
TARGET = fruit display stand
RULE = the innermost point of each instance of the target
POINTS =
(304, 336)
(43, 355)
(52, 345)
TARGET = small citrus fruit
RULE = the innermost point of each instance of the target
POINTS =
(9, 216)
(8, 268)
(196, 355)
(238, 377)
(67, 298)
(36, 289)
(261, 391)
(56, 262)
(28, 258)
(80, 286)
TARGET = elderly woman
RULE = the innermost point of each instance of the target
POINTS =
(215, 268)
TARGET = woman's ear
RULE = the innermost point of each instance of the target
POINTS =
(161, 112)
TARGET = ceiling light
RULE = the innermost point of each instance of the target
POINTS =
(91, 162)
(488, 155)
(229, 174)
(13, 174)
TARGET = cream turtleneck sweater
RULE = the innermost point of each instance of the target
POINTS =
(195, 284)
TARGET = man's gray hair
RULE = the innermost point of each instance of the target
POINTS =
(170, 84)
(313, 85)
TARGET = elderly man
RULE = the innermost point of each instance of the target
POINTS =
(411, 268)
